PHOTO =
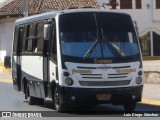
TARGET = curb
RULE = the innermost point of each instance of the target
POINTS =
(150, 102)
(6, 80)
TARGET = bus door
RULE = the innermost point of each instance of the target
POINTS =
(16, 60)
(46, 55)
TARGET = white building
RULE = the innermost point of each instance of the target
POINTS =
(6, 37)
(147, 15)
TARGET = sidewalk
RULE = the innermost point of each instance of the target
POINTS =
(151, 91)
(151, 66)
(5, 78)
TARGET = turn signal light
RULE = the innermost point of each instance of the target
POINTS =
(138, 80)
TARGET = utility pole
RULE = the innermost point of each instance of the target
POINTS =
(25, 8)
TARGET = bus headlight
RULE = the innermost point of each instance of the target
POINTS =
(138, 80)
(69, 81)
(66, 74)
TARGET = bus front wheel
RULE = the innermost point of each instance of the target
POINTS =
(56, 101)
(130, 106)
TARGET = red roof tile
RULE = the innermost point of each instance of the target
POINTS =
(14, 7)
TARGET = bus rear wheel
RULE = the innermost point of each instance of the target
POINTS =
(31, 100)
(130, 106)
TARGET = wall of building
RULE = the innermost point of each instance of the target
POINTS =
(6, 37)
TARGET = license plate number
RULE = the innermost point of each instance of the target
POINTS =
(103, 96)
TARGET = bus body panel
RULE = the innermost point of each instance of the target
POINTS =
(33, 71)
(89, 96)
(102, 74)
(16, 73)
(53, 71)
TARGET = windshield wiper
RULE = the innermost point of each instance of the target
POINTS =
(108, 44)
(111, 47)
(93, 47)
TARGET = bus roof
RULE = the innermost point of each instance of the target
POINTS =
(53, 14)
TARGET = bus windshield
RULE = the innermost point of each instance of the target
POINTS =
(98, 36)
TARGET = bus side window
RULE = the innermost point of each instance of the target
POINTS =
(20, 40)
(30, 33)
(38, 41)
(54, 51)
(54, 43)
(15, 40)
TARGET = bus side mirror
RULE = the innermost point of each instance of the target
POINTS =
(47, 31)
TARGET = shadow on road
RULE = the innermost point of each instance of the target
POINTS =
(102, 110)
(81, 111)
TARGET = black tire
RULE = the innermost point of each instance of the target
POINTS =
(57, 105)
(130, 106)
(31, 100)
(39, 101)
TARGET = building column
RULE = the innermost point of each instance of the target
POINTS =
(154, 4)
(133, 4)
(151, 42)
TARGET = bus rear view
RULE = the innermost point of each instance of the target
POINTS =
(100, 58)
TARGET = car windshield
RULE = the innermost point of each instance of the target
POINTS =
(97, 35)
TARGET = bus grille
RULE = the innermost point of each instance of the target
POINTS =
(104, 83)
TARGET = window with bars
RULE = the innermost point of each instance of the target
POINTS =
(125, 4)
(138, 4)
(157, 4)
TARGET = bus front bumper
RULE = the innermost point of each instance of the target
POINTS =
(69, 95)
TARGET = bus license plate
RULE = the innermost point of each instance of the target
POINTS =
(103, 96)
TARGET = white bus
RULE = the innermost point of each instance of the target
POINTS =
(78, 57)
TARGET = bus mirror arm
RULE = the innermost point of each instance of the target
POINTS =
(47, 31)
